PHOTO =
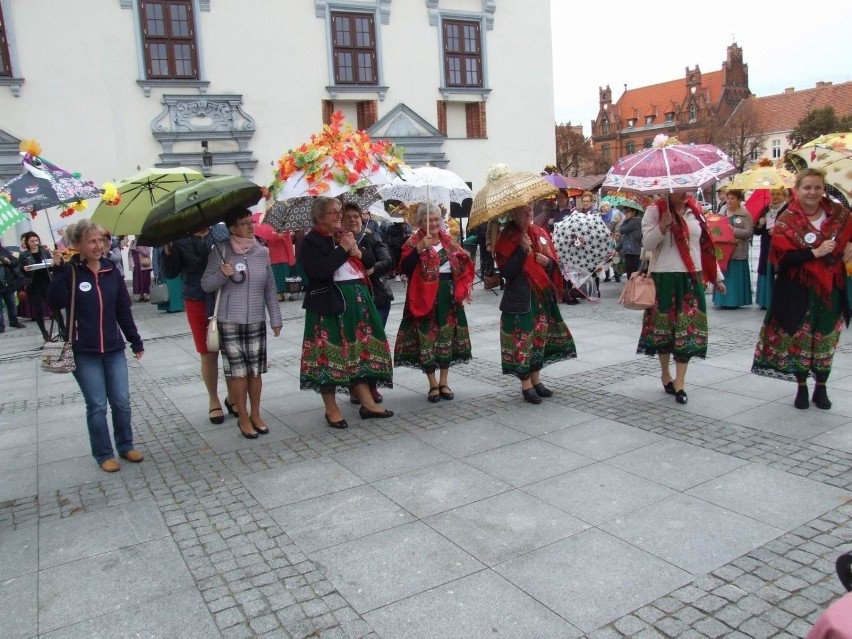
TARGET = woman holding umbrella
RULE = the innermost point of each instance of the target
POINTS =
(810, 243)
(738, 275)
(674, 229)
(344, 342)
(532, 333)
(433, 333)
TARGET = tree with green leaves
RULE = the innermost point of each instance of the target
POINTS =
(819, 122)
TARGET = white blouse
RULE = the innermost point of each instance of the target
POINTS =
(665, 254)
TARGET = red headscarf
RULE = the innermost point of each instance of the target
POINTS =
(423, 287)
(540, 241)
(789, 233)
(680, 233)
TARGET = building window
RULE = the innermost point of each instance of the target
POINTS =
(755, 153)
(605, 153)
(776, 149)
(693, 113)
(604, 126)
(647, 144)
(649, 119)
(353, 37)
(631, 123)
(5, 58)
(462, 54)
(670, 116)
(631, 147)
(168, 35)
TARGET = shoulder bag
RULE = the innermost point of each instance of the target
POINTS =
(57, 356)
(639, 293)
(213, 327)
(159, 292)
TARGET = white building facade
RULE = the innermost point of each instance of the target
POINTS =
(107, 86)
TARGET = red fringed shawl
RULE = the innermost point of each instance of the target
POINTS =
(423, 287)
(789, 233)
(680, 231)
(541, 243)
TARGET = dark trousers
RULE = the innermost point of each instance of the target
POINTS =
(36, 294)
(631, 265)
(8, 298)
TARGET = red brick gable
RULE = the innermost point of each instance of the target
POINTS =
(657, 99)
(782, 112)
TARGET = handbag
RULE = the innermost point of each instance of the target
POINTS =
(639, 293)
(213, 327)
(492, 280)
(159, 292)
(57, 355)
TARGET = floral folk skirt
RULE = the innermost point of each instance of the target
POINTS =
(438, 340)
(810, 350)
(532, 340)
(350, 348)
(677, 323)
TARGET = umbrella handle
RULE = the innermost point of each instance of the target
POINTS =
(242, 274)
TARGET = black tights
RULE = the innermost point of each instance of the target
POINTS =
(821, 378)
(36, 295)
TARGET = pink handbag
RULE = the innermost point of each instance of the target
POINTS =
(639, 293)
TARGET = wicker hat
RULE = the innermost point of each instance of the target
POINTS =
(506, 193)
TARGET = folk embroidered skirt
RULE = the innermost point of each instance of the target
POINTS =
(737, 285)
(677, 323)
(810, 350)
(438, 340)
(350, 348)
(532, 340)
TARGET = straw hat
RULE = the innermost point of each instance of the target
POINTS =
(506, 193)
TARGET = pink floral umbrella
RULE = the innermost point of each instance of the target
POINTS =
(669, 166)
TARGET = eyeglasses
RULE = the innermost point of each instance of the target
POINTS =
(244, 223)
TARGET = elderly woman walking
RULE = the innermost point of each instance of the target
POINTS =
(240, 273)
(433, 333)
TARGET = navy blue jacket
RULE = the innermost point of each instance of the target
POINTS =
(102, 312)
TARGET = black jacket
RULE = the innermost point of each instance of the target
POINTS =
(517, 295)
(631, 237)
(189, 257)
(11, 278)
(26, 259)
(373, 248)
(320, 259)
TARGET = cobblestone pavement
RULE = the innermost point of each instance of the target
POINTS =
(733, 508)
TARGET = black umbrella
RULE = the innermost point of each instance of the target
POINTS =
(197, 205)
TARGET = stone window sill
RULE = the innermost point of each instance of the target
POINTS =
(147, 85)
(14, 85)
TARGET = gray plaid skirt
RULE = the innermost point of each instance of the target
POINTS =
(243, 348)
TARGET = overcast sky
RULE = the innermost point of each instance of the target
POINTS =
(785, 44)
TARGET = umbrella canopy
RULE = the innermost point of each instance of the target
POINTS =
(137, 195)
(722, 232)
(506, 193)
(427, 183)
(756, 202)
(195, 206)
(378, 213)
(556, 180)
(763, 176)
(669, 166)
(9, 215)
(582, 243)
(43, 185)
(290, 215)
(832, 154)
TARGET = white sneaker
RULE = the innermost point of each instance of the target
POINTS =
(398, 278)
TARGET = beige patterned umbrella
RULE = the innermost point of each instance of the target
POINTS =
(509, 192)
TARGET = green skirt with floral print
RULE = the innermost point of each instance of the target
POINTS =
(437, 340)
(677, 323)
(344, 349)
(532, 340)
(810, 350)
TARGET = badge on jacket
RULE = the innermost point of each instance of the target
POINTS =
(810, 238)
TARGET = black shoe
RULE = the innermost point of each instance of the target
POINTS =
(2, 329)
(261, 431)
(820, 397)
(434, 399)
(530, 395)
(669, 388)
(17, 325)
(680, 397)
(245, 434)
(353, 399)
(215, 419)
(369, 414)
(802, 397)
(230, 408)
(338, 424)
(607, 280)
(618, 279)
(445, 394)
(542, 391)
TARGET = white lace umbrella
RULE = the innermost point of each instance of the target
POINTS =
(427, 183)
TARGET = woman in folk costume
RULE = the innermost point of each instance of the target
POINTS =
(532, 333)
(738, 273)
(810, 243)
(433, 333)
(683, 261)
(763, 227)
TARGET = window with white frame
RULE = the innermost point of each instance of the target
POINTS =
(693, 113)
(776, 149)
(631, 123)
(649, 119)
(670, 116)
(604, 126)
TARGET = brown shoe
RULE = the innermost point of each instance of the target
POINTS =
(132, 456)
(110, 465)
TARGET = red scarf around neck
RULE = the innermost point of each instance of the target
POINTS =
(540, 242)
(680, 232)
(791, 229)
(354, 262)
(423, 287)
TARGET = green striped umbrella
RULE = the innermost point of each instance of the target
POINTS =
(9, 215)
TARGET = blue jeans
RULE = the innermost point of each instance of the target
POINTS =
(103, 379)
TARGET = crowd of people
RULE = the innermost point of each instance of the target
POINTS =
(344, 263)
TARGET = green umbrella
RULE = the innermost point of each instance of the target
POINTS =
(9, 215)
(195, 206)
(138, 194)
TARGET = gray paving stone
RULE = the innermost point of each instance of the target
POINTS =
(471, 437)
(339, 517)
(839, 438)
(505, 526)
(598, 492)
(771, 496)
(610, 578)
(393, 457)
(545, 418)
(25, 456)
(781, 418)
(19, 553)
(715, 403)
(15, 484)
(527, 462)
(601, 438)
(295, 482)
(89, 534)
(389, 566)
(77, 591)
(19, 607)
(478, 606)
(690, 533)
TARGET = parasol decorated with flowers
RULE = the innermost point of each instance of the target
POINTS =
(832, 154)
(724, 242)
(336, 161)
